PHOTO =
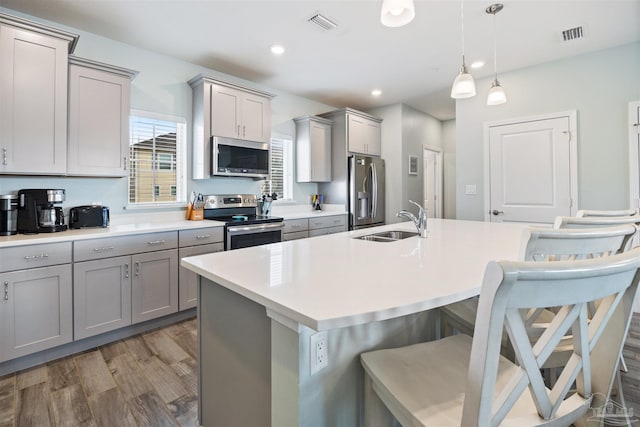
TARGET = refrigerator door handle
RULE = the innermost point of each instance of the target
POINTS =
(374, 190)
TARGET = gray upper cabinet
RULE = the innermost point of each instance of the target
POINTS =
(354, 132)
(33, 90)
(99, 104)
(363, 135)
(313, 149)
(228, 110)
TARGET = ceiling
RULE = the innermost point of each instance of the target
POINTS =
(414, 64)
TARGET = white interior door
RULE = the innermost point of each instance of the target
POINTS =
(532, 172)
(432, 185)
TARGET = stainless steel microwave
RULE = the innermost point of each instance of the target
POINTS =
(237, 157)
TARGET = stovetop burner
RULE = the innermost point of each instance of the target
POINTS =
(235, 209)
(245, 219)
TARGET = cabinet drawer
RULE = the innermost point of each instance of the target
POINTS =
(295, 225)
(32, 256)
(328, 230)
(84, 250)
(295, 236)
(327, 221)
(200, 236)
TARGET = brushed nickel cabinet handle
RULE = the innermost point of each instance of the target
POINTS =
(137, 269)
(4, 156)
(34, 257)
(156, 242)
(238, 131)
(6, 291)
(124, 162)
(103, 249)
(203, 236)
(126, 271)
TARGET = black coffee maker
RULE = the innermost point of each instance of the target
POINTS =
(38, 213)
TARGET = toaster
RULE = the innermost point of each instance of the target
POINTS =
(89, 216)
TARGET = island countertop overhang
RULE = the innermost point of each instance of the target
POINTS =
(336, 281)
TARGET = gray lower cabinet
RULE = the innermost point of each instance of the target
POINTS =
(144, 268)
(101, 296)
(35, 298)
(295, 229)
(154, 285)
(323, 225)
(194, 242)
(188, 279)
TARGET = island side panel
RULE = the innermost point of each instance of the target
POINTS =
(234, 337)
(333, 396)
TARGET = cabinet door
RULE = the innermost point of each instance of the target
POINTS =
(98, 122)
(357, 134)
(35, 310)
(189, 279)
(256, 118)
(364, 135)
(373, 138)
(33, 110)
(154, 285)
(226, 104)
(320, 135)
(101, 296)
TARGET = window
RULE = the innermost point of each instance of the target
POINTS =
(157, 153)
(281, 181)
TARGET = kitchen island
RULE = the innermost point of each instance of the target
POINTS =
(259, 307)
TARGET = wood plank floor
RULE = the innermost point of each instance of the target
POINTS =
(146, 380)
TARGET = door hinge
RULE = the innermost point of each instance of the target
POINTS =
(637, 127)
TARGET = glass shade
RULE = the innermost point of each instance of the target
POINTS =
(497, 94)
(463, 85)
(396, 13)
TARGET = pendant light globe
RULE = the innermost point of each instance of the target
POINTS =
(497, 95)
(463, 86)
(396, 13)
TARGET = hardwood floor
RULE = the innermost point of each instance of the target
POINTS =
(146, 380)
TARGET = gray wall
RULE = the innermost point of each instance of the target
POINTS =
(598, 85)
(161, 87)
(404, 132)
(449, 167)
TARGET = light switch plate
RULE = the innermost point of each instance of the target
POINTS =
(470, 189)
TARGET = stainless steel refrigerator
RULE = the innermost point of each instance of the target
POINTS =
(366, 191)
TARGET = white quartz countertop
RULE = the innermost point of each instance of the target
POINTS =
(334, 281)
(139, 223)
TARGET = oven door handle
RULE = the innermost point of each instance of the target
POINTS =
(256, 227)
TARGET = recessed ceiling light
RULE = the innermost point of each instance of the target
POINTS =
(276, 49)
(376, 92)
(477, 64)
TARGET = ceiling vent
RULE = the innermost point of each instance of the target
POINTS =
(572, 34)
(322, 21)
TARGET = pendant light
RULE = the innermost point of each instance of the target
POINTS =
(496, 95)
(396, 13)
(463, 85)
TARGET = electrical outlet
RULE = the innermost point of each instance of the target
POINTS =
(319, 351)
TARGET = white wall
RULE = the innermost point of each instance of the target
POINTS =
(598, 85)
(161, 86)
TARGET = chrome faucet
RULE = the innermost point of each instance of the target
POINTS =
(420, 222)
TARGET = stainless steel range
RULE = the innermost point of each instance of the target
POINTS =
(243, 227)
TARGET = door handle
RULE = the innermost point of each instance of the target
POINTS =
(497, 212)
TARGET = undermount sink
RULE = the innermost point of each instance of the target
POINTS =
(387, 236)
